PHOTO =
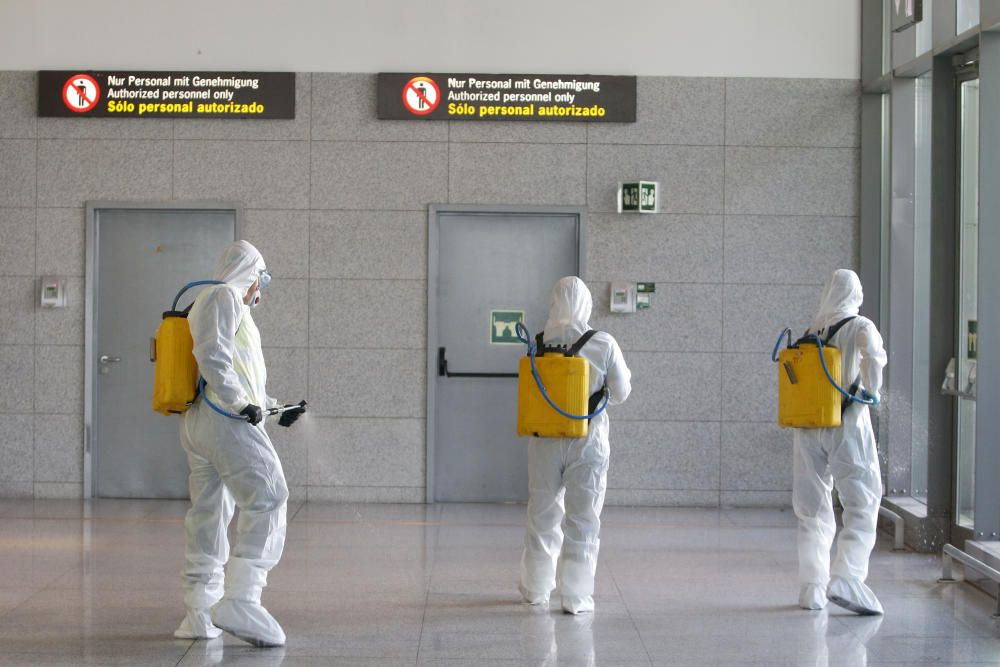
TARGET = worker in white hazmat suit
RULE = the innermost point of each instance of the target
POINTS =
(232, 463)
(567, 476)
(846, 456)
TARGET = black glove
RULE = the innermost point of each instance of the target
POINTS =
(253, 414)
(288, 417)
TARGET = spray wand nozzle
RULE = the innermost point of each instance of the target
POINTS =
(294, 407)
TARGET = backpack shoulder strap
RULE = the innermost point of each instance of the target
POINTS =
(573, 351)
(832, 331)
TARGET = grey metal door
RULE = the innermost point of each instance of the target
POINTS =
(142, 257)
(487, 262)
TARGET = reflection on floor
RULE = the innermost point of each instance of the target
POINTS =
(98, 583)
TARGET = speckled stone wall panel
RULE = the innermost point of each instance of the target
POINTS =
(517, 132)
(366, 494)
(71, 172)
(523, 173)
(22, 490)
(756, 498)
(16, 448)
(287, 373)
(800, 250)
(17, 303)
(756, 457)
(684, 317)
(661, 498)
(690, 177)
(664, 455)
(17, 172)
(260, 174)
(793, 112)
(670, 110)
(368, 314)
(106, 128)
(792, 181)
(18, 104)
(57, 490)
(393, 176)
(17, 367)
(282, 238)
(367, 452)
(658, 248)
(344, 109)
(754, 315)
(283, 313)
(59, 379)
(58, 448)
(367, 383)
(17, 241)
(662, 387)
(233, 129)
(292, 445)
(749, 388)
(60, 242)
(368, 245)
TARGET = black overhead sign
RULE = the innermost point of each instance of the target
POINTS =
(545, 97)
(79, 93)
(906, 13)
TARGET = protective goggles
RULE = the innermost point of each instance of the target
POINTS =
(265, 280)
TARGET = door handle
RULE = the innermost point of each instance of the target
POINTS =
(444, 372)
(105, 359)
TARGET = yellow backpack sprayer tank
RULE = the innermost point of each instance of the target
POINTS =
(176, 380)
(175, 376)
(809, 381)
(553, 399)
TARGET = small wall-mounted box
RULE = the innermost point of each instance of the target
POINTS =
(622, 298)
(53, 292)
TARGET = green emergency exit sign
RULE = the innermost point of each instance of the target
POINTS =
(502, 326)
(639, 197)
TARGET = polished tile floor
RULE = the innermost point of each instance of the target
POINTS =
(98, 583)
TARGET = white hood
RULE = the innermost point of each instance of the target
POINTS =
(240, 265)
(842, 297)
(569, 310)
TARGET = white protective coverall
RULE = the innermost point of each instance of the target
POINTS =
(231, 463)
(846, 456)
(567, 476)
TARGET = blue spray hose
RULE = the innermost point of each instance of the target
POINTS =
(224, 413)
(522, 334)
(822, 361)
(194, 284)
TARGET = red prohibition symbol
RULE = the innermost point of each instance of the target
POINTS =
(421, 95)
(81, 93)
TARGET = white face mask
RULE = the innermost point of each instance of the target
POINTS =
(262, 282)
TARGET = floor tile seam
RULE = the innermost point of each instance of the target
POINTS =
(628, 612)
(429, 584)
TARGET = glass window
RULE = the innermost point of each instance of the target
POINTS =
(967, 15)
(924, 31)
(968, 209)
(886, 36)
(920, 387)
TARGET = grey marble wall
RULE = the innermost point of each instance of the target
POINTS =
(759, 202)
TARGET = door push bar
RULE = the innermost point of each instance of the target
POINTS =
(444, 372)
